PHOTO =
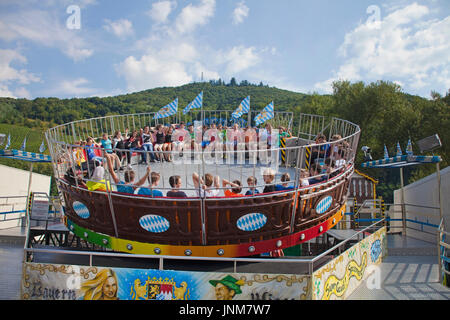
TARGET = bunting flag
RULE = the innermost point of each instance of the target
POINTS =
(8, 142)
(197, 103)
(267, 114)
(386, 154)
(24, 144)
(168, 110)
(399, 150)
(409, 150)
(244, 107)
(42, 147)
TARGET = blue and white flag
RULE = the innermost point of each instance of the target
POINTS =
(42, 147)
(197, 103)
(386, 154)
(244, 107)
(8, 142)
(24, 144)
(267, 114)
(168, 110)
(409, 150)
(399, 150)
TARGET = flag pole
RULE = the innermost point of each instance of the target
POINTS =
(249, 124)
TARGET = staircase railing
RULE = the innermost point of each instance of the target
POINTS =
(443, 258)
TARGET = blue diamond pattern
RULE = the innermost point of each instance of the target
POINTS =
(251, 222)
(81, 210)
(154, 223)
(324, 204)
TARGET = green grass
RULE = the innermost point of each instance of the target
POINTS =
(18, 134)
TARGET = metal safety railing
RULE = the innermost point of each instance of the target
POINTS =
(12, 208)
(443, 257)
(311, 263)
(404, 220)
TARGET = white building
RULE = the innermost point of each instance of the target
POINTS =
(422, 202)
(13, 192)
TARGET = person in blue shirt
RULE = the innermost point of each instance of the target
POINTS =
(90, 151)
(285, 178)
(252, 182)
(322, 151)
(107, 145)
(316, 174)
(153, 181)
(127, 186)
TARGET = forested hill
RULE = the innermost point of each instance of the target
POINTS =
(384, 112)
(51, 111)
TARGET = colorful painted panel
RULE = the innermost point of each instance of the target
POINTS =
(340, 277)
(70, 282)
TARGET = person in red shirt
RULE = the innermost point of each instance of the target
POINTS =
(236, 188)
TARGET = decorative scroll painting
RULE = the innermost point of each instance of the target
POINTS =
(338, 278)
(69, 282)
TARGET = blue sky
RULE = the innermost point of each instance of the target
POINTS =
(68, 48)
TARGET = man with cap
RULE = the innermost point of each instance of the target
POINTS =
(227, 288)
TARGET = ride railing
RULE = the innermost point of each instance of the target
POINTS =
(443, 254)
(12, 211)
(326, 166)
(247, 151)
(405, 222)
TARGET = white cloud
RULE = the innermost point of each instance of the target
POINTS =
(238, 59)
(240, 13)
(161, 10)
(150, 71)
(172, 55)
(404, 46)
(43, 28)
(175, 64)
(193, 16)
(80, 88)
(122, 28)
(10, 75)
(77, 88)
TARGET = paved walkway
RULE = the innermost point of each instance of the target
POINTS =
(11, 255)
(405, 278)
(409, 272)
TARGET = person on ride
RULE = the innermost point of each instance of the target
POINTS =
(159, 143)
(147, 144)
(204, 186)
(269, 177)
(153, 181)
(107, 146)
(175, 183)
(132, 144)
(285, 178)
(236, 188)
(316, 174)
(127, 186)
(319, 153)
(251, 181)
(168, 145)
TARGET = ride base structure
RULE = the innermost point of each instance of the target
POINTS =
(177, 232)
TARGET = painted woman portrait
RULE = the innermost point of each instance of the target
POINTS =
(103, 287)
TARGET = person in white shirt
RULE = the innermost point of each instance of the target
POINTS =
(207, 187)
